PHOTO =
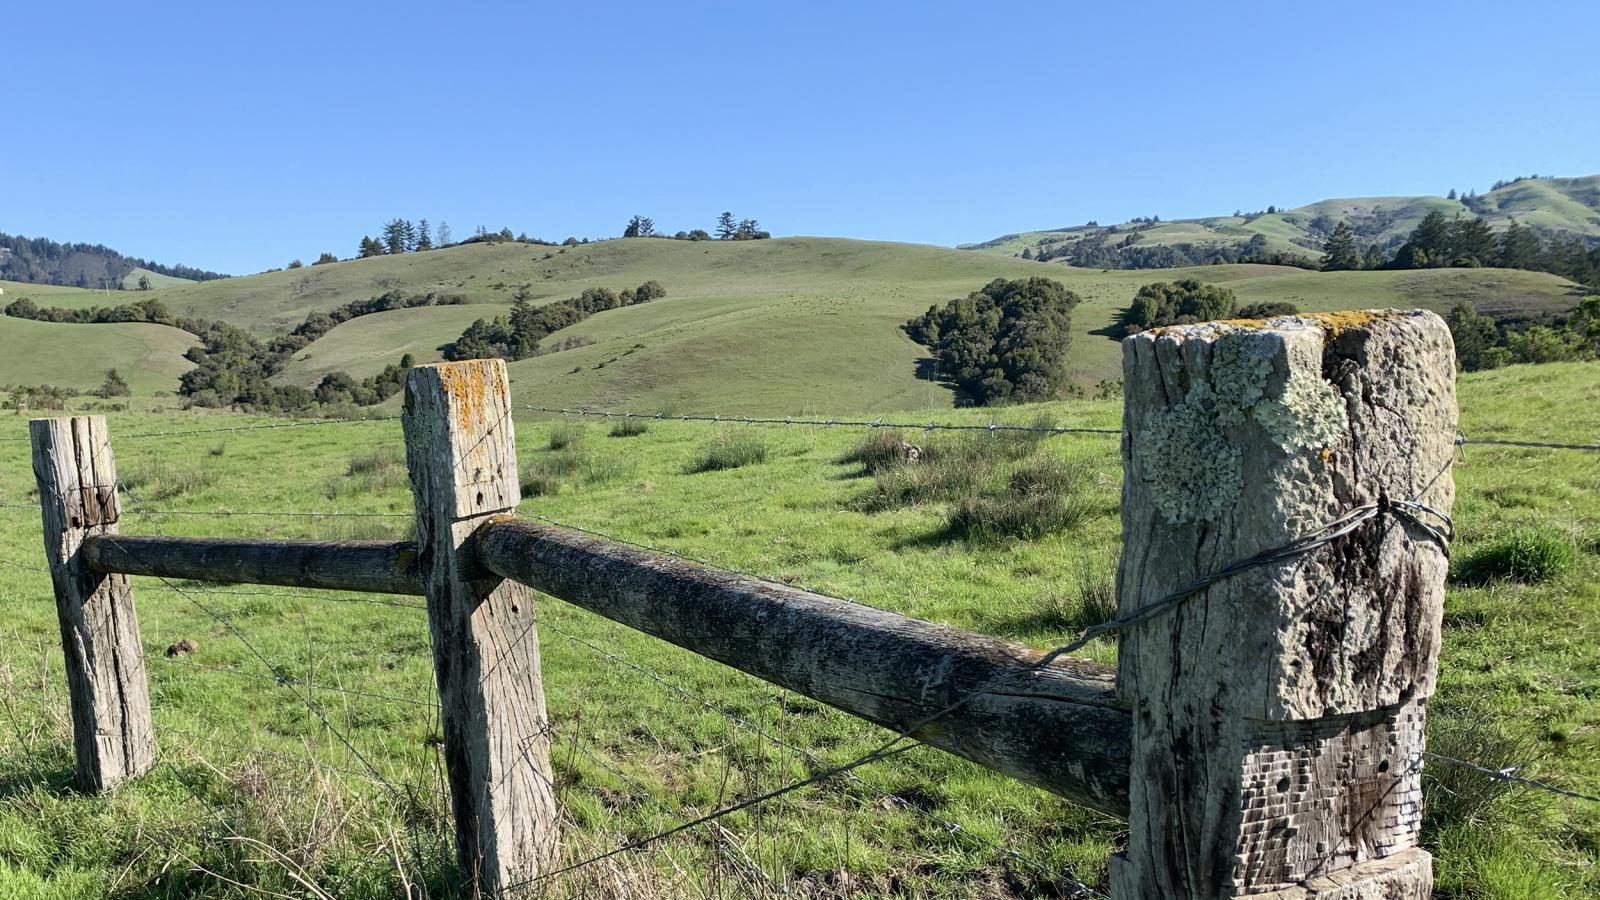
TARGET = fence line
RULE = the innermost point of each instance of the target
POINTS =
(1319, 537)
(231, 428)
(826, 423)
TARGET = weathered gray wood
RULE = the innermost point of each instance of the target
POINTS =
(463, 462)
(1059, 726)
(1277, 716)
(380, 567)
(110, 698)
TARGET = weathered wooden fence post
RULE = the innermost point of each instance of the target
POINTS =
(463, 461)
(110, 698)
(1277, 715)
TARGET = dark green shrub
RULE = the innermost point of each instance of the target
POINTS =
(729, 452)
(1528, 555)
(629, 427)
(1268, 310)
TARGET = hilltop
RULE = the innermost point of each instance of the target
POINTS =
(1551, 207)
(787, 325)
(43, 261)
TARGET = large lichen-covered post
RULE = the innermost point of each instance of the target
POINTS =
(1277, 716)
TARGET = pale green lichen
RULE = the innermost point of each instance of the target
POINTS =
(1196, 470)
(1241, 363)
(1309, 416)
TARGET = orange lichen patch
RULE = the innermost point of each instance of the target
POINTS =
(467, 384)
(1332, 322)
(1336, 322)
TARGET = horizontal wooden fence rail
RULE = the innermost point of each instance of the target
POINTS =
(1059, 726)
(1279, 616)
(374, 567)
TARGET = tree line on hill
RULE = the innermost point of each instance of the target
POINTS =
(43, 261)
(1482, 341)
(728, 229)
(517, 335)
(1436, 242)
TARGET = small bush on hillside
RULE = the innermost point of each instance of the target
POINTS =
(729, 452)
(1527, 555)
(1004, 343)
(629, 427)
(564, 435)
(1044, 496)
(1177, 303)
(1268, 310)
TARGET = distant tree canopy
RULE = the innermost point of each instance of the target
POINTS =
(1438, 242)
(1005, 343)
(1483, 342)
(43, 261)
(1177, 303)
(517, 336)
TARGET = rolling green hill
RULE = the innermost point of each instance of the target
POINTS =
(784, 326)
(149, 357)
(1550, 206)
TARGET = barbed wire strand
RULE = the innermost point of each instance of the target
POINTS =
(1510, 775)
(699, 700)
(826, 423)
(309, 685)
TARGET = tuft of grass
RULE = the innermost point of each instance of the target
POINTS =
(1530, 555)
(158, 478)
(371, 472)
(726, 451)
(565, 435)
(883, 449)
(1045, 495)
(1455, 796)
(546, 473)
(629, 427)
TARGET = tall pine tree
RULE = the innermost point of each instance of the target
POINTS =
(1340, 253)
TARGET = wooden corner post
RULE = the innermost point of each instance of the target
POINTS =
(110, 697)
(463, 462)
(1278, 715)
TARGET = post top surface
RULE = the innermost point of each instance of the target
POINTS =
(1329, 323)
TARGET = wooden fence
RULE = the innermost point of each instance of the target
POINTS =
(1280, 595)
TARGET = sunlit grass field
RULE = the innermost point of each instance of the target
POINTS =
(254, 794)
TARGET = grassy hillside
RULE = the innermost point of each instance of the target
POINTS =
(243, 759)
(130, 281)
(1565, 206)
(781, 326)
(149, 357)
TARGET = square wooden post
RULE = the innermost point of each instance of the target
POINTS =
(1278, 715)
(462, 455)
(109, 695)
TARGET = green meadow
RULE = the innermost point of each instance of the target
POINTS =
(255, 796)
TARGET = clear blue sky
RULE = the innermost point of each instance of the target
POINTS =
(239, 136)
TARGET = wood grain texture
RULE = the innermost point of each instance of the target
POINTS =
(110, 697)
(379, 567)
(462, 457)
(1060, 726)
(1277, 716)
